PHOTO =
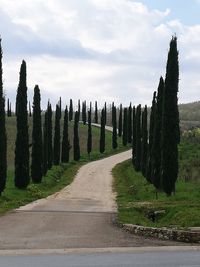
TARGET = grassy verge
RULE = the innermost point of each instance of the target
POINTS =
(136, 198)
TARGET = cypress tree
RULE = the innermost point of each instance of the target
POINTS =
(76, 139)
(102, 132)
(49, 137)
(36, 165)
(105, 114)
(30, 113)
(79, 109)
(151, 132)
(114, 132)
(8, 108)
(96, 113)
(129, 124)
(170, 122)
(22, 177)
(60, 107)
(144, 142)
(125, 128)
(156, 145)
(45, 144)
(56, 147)
(3, 137)
(71, 110)
(134, 137)
(84, 116)
(120, 121)
(65, 140)
(89, 139)
(138, 139)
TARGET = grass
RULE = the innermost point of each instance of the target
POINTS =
(136, 198)
(56, 178)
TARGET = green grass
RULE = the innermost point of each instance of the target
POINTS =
(136, 198)
(56, 178)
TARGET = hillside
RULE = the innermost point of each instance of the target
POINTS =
(190, 115)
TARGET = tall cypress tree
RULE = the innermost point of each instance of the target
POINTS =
(144, 142)
(65, 140)
(22, 177)
(102, 132)
(129, 126)
(134, 137)
(76, 139)
(125, 128)
(56, 147)
(89, 139)
(114, 132)
(8, 107)
(156, 145)
(3, 137)
(30, 113)
(84, 116)
(60, 107)
(50, 136)
(105, 114)
(96, 113)
(45, 144)
(170, 122)
(120, 121)
(79, 109)
(71, 110)
(138, 139)
(36, 164)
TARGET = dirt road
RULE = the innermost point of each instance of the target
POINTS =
(79, 216)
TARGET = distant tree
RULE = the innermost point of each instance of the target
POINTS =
(120, 121)
(30, 112)
(45, 144)
(56, 147)
(170, 123)
(79, 109)
(22, 177)
(114, 132)
(3, 136)
(105, 113)
(36, 164)
(89, 139)
(65, 140)
(125, 128)
(49, 137)
(129, 125)
(144, 142)
(134, 137)
(96, 113)
(138, 139)
(102, 132)
(84, 116)
(60, 107)
(8, 107)
(76, 139)
(10, 110)
(71, 110)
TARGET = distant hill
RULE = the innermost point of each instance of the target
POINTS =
(190, 115)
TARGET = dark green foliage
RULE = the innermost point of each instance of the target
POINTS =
(105, 113)
(22, 139)
(65, 140)
(125, 128)
(120, 121)
(49, 137)
(71, 110)
(144, 142)
(89, 139)
(56, 147)
(9, 112)
(96, 113)
(45, 144)
(130, 128)
(138, 139)
(134, 137)
(36, 164)
(79, 109)
(29, 105)
(76, 138)
(170, 123)
(3, 137)
(151, 131)
(114, 122)
(102, 132)
(156, 146)
(60, 107)
(84, 116)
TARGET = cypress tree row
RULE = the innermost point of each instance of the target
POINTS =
(96, 113)
(76, 138)
(49, 137)
(144, 142)
(130, 124)
(45, 144)
(71, 110)
(65, 140)
(56, 147)
(89, 139)
(3, 137)
(22, 177)
(36, 164)
(151, 131)
(120, 121)
(102, 132)
(156, 145)
(138, 139)
(125, 129)
(114, 132)
(170, 122)
(134, 137)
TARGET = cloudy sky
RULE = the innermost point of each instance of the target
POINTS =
(105, 50)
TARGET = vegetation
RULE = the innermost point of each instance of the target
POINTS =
(56, 145)
(102, 135)
(125, 128)
(65, 140)
(76, 138)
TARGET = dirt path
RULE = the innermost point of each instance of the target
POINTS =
(79, 216)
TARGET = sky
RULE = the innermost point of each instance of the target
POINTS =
(104, 50)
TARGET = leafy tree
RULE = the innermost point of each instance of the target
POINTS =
(36, 165)
(22, 177)
(65, 140)
(125, 128)
(3, 137)
(76, 139)
(102, 132)
(129, 126)
(120, 121)
(56, 147)
(144, 142)
(89, 139)
(138, 139)
(71, 110)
